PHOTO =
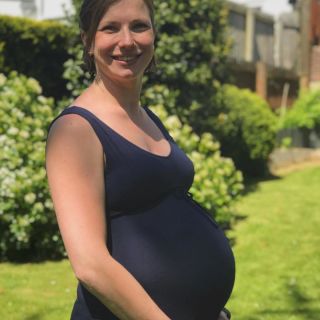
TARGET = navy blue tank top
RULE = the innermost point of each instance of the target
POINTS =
(157, 231)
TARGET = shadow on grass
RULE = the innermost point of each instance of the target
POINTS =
(35, 316)
(251, 184)
(300, 304)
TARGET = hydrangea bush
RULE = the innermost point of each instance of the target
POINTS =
(28, 228)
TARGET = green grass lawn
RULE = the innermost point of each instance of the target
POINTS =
(277, 250)
(43, 291)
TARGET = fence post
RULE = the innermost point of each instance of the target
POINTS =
(249, 36)
(278, 38)
(305, 43)
(261, 79)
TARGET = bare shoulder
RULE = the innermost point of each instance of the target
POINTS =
(72, 129)
(72, 143)
(74, 164)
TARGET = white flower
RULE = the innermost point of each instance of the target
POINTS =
(24, 134)
(13, 131)
(2, 79)
(30, 197)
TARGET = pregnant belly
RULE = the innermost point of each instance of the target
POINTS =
(179, 255)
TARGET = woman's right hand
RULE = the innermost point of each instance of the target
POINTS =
(223, 316)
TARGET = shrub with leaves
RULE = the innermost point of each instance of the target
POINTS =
(37, 49)
(246, 128)
(28, 228)
(305, 113)
(217, 183)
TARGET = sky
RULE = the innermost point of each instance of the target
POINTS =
(53, 8)
(273, 7)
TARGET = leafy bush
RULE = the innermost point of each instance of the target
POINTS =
(37, 49)
(246, 128)
(217, 183)
(28, 227)
(305, 113)
(1, 54)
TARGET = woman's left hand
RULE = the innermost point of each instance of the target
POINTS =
(222, 316)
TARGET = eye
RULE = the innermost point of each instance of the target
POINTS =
(140, 26)
(109, 28)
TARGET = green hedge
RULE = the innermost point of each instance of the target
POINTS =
(37, 49)
(246, 128)
(28, 228)
(305, 113)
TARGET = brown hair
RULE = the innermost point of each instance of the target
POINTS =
(91, 13)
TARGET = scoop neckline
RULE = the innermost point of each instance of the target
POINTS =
(127, 140)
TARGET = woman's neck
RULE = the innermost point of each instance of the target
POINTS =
(124, 94)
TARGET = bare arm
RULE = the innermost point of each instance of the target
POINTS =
(74, 164)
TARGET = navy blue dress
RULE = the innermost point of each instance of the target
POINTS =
(162, 236)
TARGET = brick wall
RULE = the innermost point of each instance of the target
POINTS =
(315, 64)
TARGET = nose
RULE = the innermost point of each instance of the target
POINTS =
(126, 39)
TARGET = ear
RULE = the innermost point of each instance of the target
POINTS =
(83, 38)
(84, 41)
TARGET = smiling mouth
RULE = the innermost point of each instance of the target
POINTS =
(126, 58)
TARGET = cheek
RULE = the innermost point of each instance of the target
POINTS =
(148, 48)
(147, 40)
(103, 43)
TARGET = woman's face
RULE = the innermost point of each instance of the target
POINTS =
(124, 41)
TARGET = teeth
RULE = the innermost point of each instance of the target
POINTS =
(126, 58)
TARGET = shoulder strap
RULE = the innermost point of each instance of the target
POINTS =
(86, 115)
(158, 122)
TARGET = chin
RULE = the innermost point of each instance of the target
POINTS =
(129, 74)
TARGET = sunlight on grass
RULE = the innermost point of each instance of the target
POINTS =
(277, 250)
(44, 291)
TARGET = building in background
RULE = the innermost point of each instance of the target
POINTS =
(271, 7)
(275, 55)
(315, 44)
(265, 51)
(36, 9)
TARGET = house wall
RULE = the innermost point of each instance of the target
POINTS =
(265, 53)
(37, 9)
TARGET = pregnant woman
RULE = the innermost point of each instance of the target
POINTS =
(138, 243)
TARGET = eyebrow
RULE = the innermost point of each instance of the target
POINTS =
(133, 21)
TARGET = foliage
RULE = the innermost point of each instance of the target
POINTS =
(27, 224)
(37, 49)
(246, 128)
(305, 113)
(217, 184)
(1, 54)
(191, 51)
(77, 77)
